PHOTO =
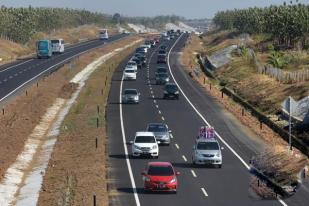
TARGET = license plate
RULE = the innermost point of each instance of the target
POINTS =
(161, 186)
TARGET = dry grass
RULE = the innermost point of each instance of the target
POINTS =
(75, 154)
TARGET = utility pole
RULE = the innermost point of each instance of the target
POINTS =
(290, 126)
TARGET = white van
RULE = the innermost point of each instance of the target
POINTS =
(57, 45)
(103, 34)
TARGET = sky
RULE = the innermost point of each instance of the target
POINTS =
(185, 8)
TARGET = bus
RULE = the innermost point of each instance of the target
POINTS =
(44, 49)
(103, 35)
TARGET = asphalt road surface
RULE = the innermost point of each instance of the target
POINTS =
(197, 185)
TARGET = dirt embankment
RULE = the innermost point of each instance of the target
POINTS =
(24, 112)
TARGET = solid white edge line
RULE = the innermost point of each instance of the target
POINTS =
(193, 173)
(204, 192)
(201, 116)
(49, 68)
(125, 148)
(184, 158)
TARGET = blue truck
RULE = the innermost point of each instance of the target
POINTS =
(44, 49)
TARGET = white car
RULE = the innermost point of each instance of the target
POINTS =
(145, 47)
(129, 74)
(207, 152)
(130, 96)
(145, 144)
(57, 45)
(132, 65)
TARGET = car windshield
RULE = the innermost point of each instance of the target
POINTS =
(43, 45)
(160, 170)
(207, 146)
(131, 64)
(130, 91)
(55, 41)
(129, 71)
(157, 128)
(161, 70)
(163, 75)
(145, 139)
(162, 52)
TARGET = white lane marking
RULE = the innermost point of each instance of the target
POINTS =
(193, 173)
(162, 118)
(15, 65)
(15, 74)
(20, 72)
(5, 80)
(176, 145)
(155, 101)
(159, 110)
(153, 96)
(11, 77)
(184, 158)
(72, 57)
(201, 116)
(125, 148)
(171, 135)
(204, 192)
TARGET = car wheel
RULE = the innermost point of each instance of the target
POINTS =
(156, 157)
(175, 192)
(220, 166)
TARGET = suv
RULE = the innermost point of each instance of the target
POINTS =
(161, 70)
(207, 151)
(145, 144)
(161, 59)
(162, 78)
(161, 132)
(130, 96)
(171, 91)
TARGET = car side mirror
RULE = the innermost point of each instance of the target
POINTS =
(177, 173)
(222, 148)
(131, 142)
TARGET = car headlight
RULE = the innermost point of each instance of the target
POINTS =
(154, 147)
(136, 97)
(177, 92)
(165, 136)
(173, 180)
(218, 155)
(136, 147)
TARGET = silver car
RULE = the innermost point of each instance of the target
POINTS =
(207, 152)
(162, 78)
(130, 96)
(161, 132)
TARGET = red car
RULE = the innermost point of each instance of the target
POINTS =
(160, 176)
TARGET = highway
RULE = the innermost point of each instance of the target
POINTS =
(16, 75)
(197, 185)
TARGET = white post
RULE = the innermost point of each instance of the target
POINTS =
(290, 126)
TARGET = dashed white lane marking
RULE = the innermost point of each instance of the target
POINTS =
(193, 173)
(153, 96)
(20, 72)
(15, 74)
(157, 108)
(163, 118)
(25, 70)
(155, 101)
(184, 158)
(172, 136)
(176, 145)
(204, 192)
(11, 77)
(160, 112)
(5, 80)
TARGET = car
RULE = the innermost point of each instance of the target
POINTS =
(148, 44)
(172, 36)
(141, 58)
(161, 59)
(207, 152)
(161, 132)
(160, 176)
(129, 74)
(163, 47)
(171, 91)
(137, 61)
(57, 46)
(144, 47)
(152, 43)
(161, 70)
(130, 96)
(145, 144)
(167, 38)
(141, 50)
(132, 64)
(162, 78)
(157, 40)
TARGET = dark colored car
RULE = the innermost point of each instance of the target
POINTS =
(161, 51)
(163, 47)
(162, 78)
(141, 58)
(138, 62)
(171, 91)
(161, 70)
(161, 59)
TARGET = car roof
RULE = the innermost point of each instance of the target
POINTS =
(130, 90)
(206, 140)
(160, 164)
(129, 69)
(156, 124)
(144, 133)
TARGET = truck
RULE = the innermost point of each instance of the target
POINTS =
(44, 49)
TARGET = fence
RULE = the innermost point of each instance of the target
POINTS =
(279, 74)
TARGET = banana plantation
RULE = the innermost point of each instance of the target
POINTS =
(288, 24)
(19, 24)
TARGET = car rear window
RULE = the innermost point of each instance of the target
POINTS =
(161, 70)
(132, 64)
(131, 91)
(145, 139)
(55, 41)
(163, 75)
(129, 71)
(207, 146)
(160, 170)
(157, 128)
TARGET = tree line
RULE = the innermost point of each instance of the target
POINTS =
(19, 24)
(288, 23)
